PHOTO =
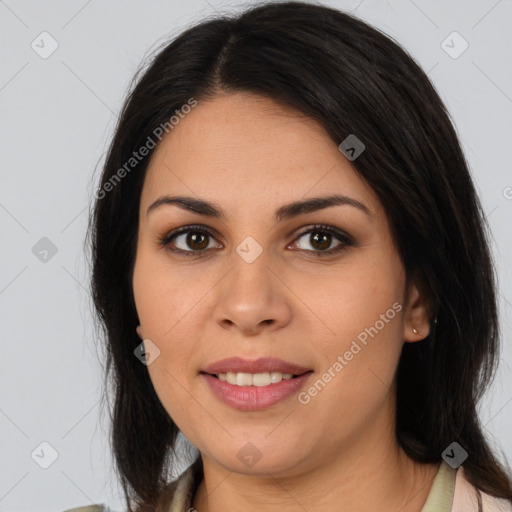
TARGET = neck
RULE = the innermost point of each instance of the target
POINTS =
(368, 473)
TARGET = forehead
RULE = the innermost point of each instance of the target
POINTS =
(251, 148)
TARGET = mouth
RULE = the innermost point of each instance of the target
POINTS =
(260, 367)
(254, 379)
(254, 385)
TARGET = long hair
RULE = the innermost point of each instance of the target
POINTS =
(352, 79)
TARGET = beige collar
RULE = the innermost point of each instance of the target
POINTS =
(440, 497)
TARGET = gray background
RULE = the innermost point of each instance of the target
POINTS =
(57, 115)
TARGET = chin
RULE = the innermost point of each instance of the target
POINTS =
(262, 455)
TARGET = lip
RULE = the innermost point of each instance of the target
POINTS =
(261, 365)
(254, 398)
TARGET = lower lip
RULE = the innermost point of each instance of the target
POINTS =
(254, 398)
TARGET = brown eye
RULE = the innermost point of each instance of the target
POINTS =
(320, 241)
(196, 240)
(189, 240)
(321, 238)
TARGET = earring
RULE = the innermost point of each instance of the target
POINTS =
(415, 331)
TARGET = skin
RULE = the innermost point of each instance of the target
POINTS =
(250, 155)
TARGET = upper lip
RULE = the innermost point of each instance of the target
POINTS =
(262, 365)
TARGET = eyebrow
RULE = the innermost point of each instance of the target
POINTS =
(288, 211)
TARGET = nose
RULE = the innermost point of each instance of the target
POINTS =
(252, 298)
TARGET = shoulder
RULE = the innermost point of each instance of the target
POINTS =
(467, 498)
(176, 497)
(89, 508)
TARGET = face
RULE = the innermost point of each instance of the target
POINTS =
(320, 289)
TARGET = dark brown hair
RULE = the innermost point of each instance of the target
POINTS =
(353, 79)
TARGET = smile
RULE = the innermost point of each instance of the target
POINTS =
(257, 395)
(254, 379)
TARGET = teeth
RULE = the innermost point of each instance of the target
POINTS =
(243, 379)
(254, 379)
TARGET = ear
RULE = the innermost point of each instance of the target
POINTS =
(139, 332)
(416, 315)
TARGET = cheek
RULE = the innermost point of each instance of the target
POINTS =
(164, 306)
(166, 298)
(346, 300)
(169, 305)
(355, 382)
(361, 345)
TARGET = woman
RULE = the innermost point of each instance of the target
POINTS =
(291, 268)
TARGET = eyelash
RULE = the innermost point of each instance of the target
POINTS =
(321, 228)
